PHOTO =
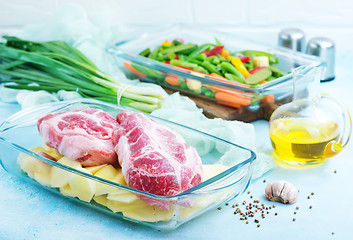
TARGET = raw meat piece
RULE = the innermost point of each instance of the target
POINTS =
(83, 135)
(154, 158)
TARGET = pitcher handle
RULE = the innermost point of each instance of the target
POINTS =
(347, 126)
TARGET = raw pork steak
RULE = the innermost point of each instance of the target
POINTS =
(83, 135)
(154, 158)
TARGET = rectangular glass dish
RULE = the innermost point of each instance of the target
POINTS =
(252, 97)
(227, 171)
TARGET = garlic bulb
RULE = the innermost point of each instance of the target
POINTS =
(281, 191)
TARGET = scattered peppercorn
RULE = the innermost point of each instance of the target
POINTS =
(219, 208)
(310, 207)
(294, 219)
(264, 180)
(312, 193)
(233, 206)
(257, 221)
(227, 204)
(295, 212)
(247, 222)
(258, 225)
(333, 233)
(308, 197)
(276, 214)
(248, 192)
(297, 207)
(335, 171)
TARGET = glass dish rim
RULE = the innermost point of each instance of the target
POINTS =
(116, 50)
(196, 190)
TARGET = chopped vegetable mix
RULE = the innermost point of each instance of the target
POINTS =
(245, 67)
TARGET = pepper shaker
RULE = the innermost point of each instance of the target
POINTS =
(325, 49)
(292, 38)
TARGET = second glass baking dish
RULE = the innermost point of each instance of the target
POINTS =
(146, 69)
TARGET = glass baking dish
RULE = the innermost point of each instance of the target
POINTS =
(227, 171)
(253, 96)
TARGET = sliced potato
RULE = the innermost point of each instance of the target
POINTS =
(147, 213)
(60, 177)
(31, 165)
(83, 187)
(43, 177)
(52, 152)
(116, 206)
(124, 197)
(109, 173)
(37, 149)
(95, 169)
(67, 191)
(102, 199)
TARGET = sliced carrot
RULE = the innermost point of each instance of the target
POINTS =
(232, 98)
(234, 105)
(216, 75)
(227, 90)
(172, 79)
(268, 98)
(128, 66)
(262, 82)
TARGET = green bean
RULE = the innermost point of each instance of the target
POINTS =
(179, 48)
(201, 57)
(194, 61)
(233, 77)
(145, 52)
(182, 57)
(200, 49)
(176, 43)
(181, 63)
(200, 69)
(249, 65)
(210, 67)
(228, 67)
(276, 71)
(154, 54)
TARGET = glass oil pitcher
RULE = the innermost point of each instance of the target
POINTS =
(311, 128)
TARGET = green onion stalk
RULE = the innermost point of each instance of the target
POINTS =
(56, 65)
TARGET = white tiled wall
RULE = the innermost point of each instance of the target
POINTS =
(330, 18)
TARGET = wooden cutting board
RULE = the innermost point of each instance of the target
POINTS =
(215, 110)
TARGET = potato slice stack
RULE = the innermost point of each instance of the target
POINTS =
(116, 199)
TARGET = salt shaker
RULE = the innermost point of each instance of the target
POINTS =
(292, 38)
(325, 49)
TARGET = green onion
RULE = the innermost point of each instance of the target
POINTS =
(56, 65)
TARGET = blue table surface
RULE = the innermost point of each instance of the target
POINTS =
(28, 212)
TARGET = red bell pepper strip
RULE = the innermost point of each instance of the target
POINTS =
(214, 51)
(244, 58)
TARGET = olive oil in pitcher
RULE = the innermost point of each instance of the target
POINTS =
(311, 128)
(302, 141)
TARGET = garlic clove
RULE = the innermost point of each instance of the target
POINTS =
(281, 191)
